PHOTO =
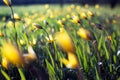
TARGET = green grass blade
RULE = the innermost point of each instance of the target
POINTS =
(21, 74)
(5, 75)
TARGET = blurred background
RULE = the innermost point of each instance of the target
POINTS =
(112, 3)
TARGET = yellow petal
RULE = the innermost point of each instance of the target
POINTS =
(5, 63)
(64, 41)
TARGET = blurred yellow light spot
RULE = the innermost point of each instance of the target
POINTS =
(97, 6)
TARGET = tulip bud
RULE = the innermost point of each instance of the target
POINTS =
(85, 34)
(16, 16)
(7, 2)
(37, 25)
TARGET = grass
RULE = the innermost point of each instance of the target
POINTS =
(98, 60)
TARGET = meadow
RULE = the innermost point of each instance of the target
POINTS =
(53, 42)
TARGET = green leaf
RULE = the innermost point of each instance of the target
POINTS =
(5, 75)
(21, 74)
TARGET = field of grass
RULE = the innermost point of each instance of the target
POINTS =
(50, 42)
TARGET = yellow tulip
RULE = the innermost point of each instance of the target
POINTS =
(84, 34)
(16, 16)
(60, 22)
(64, 41)
(12, 54)
(7, 2)
(90, 14)
(83, 15)
(71, 62)
(97, 6)
(75, 19)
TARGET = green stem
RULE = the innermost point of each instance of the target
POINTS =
(14, 24)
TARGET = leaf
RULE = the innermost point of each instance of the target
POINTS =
(5, 75)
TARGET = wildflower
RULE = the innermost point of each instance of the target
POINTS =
(64, 41)
(35, 25)
(16, 16)
(50, 39)
(60, 23)
(109, 38)
(86, 6)
(114, 21)
(84, 34)
(83, 15)
(7, 2)
(22, 42)
(12, 54)
(47, 6)
(5, 63)
(33, 42)
(90, 14)
(75, 19)
(68, 16)
(30, 56)
(97, 6)
(71, 62)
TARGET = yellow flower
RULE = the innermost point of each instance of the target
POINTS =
(75, 19)
(50, 39)
(90, 14)
(47, 6)
(60, 23)
(97, 6)
(35, 25)
(84, 34)
(114, 21)
(22, 42)
(64, 41)
(16, 16)
(86, 6)
(83, 15)
(12, 54)
(5, 63)
(109, 38)
(71, 62)
(7, 2)
(30, 56)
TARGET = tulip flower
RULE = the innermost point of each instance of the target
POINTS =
(64, 41)
(83, 33)
(12, 54)
(16, 16)
(7, 2)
